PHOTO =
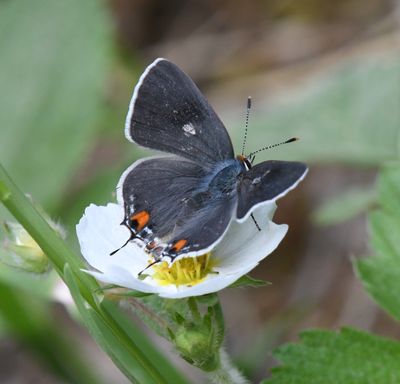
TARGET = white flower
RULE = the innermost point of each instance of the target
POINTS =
(240, 250)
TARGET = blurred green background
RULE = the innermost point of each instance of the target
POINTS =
(328, 73)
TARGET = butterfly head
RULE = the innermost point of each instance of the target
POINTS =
(247, 162)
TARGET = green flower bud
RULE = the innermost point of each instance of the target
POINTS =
(194, 343)
(22, 252)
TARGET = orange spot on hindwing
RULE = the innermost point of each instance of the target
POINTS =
(178, 245)
(139, 220)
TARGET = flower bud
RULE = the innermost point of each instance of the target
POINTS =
(22, 251)
(194, 343)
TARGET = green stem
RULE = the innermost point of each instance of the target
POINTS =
(60, 255)
(227, 373)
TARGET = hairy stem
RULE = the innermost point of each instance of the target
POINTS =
(227, 373)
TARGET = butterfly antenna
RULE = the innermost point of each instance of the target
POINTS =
(247, 123)
(273, 146)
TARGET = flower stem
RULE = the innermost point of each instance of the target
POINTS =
(151, 365)
(227, 373)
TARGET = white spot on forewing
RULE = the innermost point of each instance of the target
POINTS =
(266, 173)
(257, 180)
(189, 130)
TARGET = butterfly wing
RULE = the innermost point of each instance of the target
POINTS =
(203, 222)
(170, 191)
(168, 113)
(267, 181)
(158, 186)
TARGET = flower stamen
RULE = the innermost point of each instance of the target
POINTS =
(185, 271)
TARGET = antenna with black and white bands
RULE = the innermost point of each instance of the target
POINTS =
(251, 155)
(246, 124)
(273, 146)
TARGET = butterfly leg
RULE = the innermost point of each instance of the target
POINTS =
(255, 222)
(157, 251)
(131, 237)
(137, 225)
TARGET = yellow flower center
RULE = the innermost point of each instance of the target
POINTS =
(186, 271)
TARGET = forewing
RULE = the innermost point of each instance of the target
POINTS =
(267, 181)
(159, 186)
(168, 113)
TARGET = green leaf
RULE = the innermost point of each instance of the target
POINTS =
(248, 281)
(345, 206)
(349, 357)
(381, 279)
(161, 313)
(55, 58)
(380, 274)
(336, 115)
(389, 189)
(208, 300)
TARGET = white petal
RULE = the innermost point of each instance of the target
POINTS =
(123, 278)
(99, 233)
(245, 245)
(212, 284)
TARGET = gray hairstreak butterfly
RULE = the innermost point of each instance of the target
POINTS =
(182, 203)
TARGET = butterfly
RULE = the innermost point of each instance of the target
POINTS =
(182, 203)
